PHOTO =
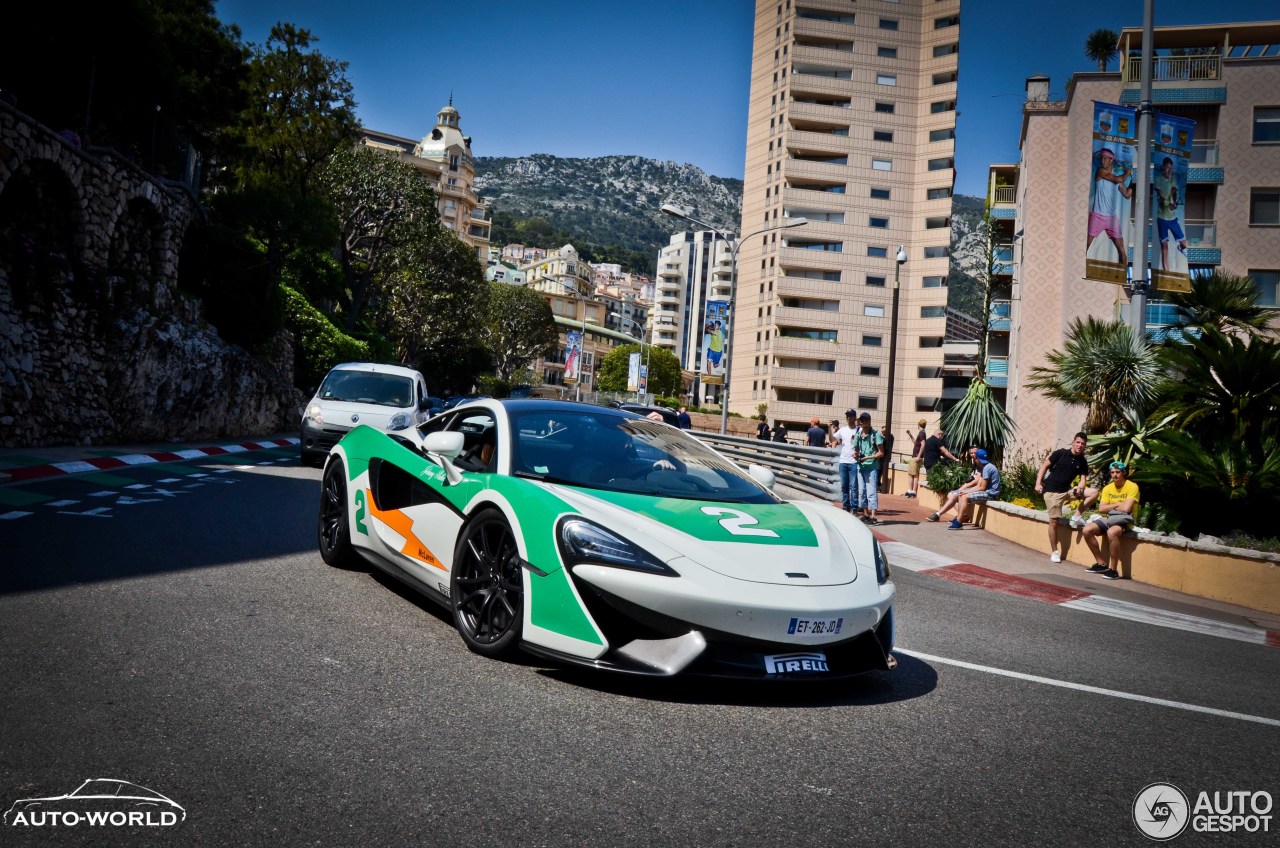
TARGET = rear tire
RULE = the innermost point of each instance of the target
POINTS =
(333, 531)
(487, 586)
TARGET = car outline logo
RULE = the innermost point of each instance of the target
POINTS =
(153, 798)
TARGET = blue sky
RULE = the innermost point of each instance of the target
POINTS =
(666, 79)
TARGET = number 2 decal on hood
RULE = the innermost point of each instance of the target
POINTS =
(737, 521)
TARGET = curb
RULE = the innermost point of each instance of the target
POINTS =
(106, 463)
(911, 558)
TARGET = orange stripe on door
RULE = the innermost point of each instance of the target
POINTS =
(403, 524)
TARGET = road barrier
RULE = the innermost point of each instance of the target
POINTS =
(809, 470)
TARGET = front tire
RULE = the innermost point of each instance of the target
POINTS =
(333, 531)
(487, 586)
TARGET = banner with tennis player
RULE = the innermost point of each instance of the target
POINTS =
(1170, 160)
(715, 341)
(1110, 193)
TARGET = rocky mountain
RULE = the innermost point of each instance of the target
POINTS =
(610, 201)
(964, 292)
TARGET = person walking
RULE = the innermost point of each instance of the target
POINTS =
(779, 432)
(1056, 480)
(843, 438)
(868, 449)
(815, 436)
(1117, 506)
(917, 459)
(762, 429)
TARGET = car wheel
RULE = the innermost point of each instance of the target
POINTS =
(487, 586)
(332, 529)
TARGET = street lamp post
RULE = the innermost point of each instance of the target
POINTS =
(734, 245)
(901, 259)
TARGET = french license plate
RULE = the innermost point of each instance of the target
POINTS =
(811, 662)
(815, 626)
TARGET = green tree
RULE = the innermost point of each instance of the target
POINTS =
(1100, 46)
(386, 216)
(664, 368)
(978, 419)
(518, 327)
(1102, 366)
(1222, 301)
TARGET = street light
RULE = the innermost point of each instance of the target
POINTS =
(734, 244)
(893, 338)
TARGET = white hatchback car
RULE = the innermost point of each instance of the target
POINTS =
(388, 397)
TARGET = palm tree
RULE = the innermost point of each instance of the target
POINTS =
(978, 419)
(1102, 366)
(1100, 46)
(1226, 302)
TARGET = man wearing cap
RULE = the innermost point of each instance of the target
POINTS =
(816, 437)
(985, 486)
(917, 459)
(1117, 503)
(868, 451)
(843, 439)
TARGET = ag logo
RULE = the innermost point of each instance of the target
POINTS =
(1161, 811)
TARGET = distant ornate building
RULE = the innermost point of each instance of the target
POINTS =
(445, 156)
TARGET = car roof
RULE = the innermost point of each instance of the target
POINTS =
(548, 405)
(376, 368)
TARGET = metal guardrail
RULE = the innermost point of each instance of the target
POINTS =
(809, 470)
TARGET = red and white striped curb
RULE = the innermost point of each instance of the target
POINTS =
(911, 558)
(106, 463)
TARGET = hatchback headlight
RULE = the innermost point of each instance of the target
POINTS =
(583, 541)
(315, 414)
(399, 421)
(882, 564)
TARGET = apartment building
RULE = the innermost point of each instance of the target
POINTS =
(851, 125)
(444, 155)
(1224, 77)
(693, 268)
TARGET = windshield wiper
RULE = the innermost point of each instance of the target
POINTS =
(546, 478)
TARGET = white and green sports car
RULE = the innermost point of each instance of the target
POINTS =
(595, 537)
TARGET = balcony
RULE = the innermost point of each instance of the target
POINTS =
(997, 375)
(1005, 194)
(1201, 232)
(1176, 68)
(1204, 152)
(999, 320)
(669, 272)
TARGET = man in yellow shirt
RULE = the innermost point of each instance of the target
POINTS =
(1117, 505)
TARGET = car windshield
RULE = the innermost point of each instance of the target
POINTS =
(621, 453)
(367, 387)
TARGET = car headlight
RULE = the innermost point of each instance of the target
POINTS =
(582, 541)
(315, 414)
(882, 563)
(399, 421)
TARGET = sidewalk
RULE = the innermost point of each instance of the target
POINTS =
(20, 465)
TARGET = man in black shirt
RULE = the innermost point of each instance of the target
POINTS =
(935, 447)
(1056, 481)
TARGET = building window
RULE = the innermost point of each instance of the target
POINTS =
(881, 135)
(869, 371)
(942, 106)
(868, 402)
(872, 311)
(875, 281)
(873, 341)
(943, 134)
(889, 23)
(944, 77)
(937, 223)
(814, 397)
(880, 193)
(886, 79)
(927, 404)
(882, 164)
(928, 372)
(945, 50)
(887, 52)
(1268, 285)
(938, 193)
(1264, 207)
(878, 223)
(941, 164)
(931, 341)
(933, 312)
(948, 21)
(1266, 125)
(878, 252)
(803, 333)
(884, 108)
(937, 252)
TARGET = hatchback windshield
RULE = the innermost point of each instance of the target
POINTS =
(621, 453)
(367, 387)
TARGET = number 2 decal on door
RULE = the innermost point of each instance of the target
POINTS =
(737, 522)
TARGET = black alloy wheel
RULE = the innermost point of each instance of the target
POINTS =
(332, 529)
(487, 586)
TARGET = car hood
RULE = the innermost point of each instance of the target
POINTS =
(782, 544)
(338, 413)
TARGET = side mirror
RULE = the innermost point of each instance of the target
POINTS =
(444, 448)
(762, 475)
(424, 404)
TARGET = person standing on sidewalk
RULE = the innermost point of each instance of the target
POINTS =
(1117, 504)
(816, 436)
(985, 486)
(868, 449)
(843, 439)
(886, 439)
(1056, 481)
(917, 460)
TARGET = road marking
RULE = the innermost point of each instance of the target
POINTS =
(92, 513)
(9, 516)
(1164, 618)
(135, 459)
(105, 493)
(62, 503)
(1094, 690)
(74, 467)
(902, 555)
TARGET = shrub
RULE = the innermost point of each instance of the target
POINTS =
(318, 344)
(946, 476)
(1018, 479)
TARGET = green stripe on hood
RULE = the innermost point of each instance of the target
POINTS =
(720, 521)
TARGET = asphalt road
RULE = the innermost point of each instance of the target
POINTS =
(184, 635)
